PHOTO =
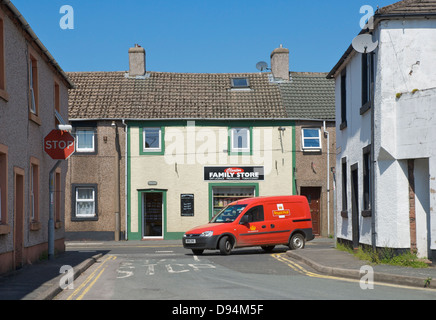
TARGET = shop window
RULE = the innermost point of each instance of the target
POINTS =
(240, 141)
(311, 139)
(152, 141)
(223, 196)
(84, 202)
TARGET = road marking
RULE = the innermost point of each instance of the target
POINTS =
(295, 266)
(90, 278)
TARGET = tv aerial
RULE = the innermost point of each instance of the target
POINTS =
(363, 43)
(261, 66)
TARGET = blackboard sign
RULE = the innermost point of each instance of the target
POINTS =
(187, 205)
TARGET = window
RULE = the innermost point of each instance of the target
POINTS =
(33, 82)
(367, 81)
(344, 186)
(367, 179)
(255, 214)
(311, 139)
(85, 201)
(152, 139)
(34, 189)
(57, 102)
(240, 83)
(240, 140)
(85, 140)
(3, 93)
(343, 100)
(3, 184)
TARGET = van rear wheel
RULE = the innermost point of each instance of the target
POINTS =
(297, 241)
(225, 245)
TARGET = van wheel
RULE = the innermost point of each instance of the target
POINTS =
(268, 248)
(197, 252)
(225, 245)
(297, 241)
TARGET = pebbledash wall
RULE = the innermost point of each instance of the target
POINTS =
(23, 235)
(180, 171)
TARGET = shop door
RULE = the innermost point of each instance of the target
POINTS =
(152, 214)
(313, 195)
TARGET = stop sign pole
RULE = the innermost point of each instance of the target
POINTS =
(59, 145)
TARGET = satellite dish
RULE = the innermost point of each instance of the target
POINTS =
(363, 43)
(262, 65)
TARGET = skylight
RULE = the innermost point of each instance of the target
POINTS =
(240, 83)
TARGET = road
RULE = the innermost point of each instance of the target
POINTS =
(169, 272)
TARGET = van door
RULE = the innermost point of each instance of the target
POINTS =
(280, 221)
(253, 231)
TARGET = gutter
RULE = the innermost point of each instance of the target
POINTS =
(25, 25)
(199, 119)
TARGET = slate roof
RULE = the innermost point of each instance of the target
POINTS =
(309, 96)
(164, 95)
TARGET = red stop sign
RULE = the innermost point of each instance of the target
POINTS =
(59, 145)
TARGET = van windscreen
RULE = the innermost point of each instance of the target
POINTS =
(228, 214)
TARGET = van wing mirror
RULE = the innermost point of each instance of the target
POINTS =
(244, 219)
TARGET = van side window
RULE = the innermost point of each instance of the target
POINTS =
(255, 214)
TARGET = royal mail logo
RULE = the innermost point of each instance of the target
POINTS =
(285, 212)
(233, 170)
(253, 228)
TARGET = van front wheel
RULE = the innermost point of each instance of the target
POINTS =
(225, 245)
(297, 241)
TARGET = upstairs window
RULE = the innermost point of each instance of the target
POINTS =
(152, 140)
(343, 123)
(240, 83)
(3, 93)
(85, 140)
(33, 74)
(240, 140)
(311, 139)
(367, 81)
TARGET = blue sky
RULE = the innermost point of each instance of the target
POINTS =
(206, 36)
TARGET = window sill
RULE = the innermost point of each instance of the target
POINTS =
(35, 226)
(4, 95)
(35, 118)
(5, 229)
(366, 213)
(365, 108)
(343, 125)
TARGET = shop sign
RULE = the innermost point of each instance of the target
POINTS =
(233, 173)
(187, 205)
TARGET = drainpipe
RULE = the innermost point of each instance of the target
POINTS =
(117, 184)
(326, 133)
(125, 176)
(51, 229)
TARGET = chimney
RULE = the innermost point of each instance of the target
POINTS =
(136, 61)
(280, 63)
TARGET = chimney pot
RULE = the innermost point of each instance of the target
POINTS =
(137, 61)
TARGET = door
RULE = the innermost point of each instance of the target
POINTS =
(254, 230)
(18, 217)
(152, 212)
(313, 195)
(355, 205)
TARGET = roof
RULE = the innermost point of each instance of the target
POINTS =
(309, 95)
(401, 9)
(26, 28)
(164, 95)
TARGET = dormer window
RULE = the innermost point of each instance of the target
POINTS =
(240, 83)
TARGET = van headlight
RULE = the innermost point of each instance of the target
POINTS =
(207, 234)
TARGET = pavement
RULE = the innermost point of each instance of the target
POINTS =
(41, 281)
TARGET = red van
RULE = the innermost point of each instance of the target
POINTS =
(261, 221)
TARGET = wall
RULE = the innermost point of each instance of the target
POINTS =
(187, 150)
(24, 139)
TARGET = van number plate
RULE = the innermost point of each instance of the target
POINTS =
(190, 241)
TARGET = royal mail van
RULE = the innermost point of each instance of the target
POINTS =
(261, 221)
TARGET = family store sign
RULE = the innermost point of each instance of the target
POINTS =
(233, 173)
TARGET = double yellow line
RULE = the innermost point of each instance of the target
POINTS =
(80, 292)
